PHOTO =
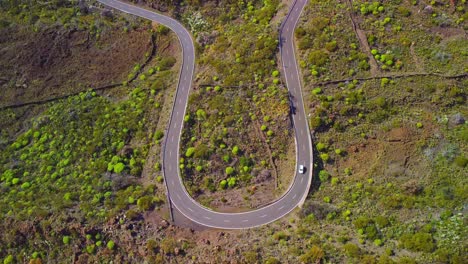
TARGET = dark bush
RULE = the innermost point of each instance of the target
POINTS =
(145, 203)
(352, 250)
(318, 58)
(167, 63)
(420, 241)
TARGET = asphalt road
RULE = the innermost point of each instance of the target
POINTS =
(177, 193)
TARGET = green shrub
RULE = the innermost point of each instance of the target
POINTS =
(66, 240)
(321, 146)
(235, 150)
(9, 259)
(231, 182)
(325, 157)
(190, 152)
(158, 134)
(110, 245)
(223, 184)
(378, 242)
(90, 249)
(119, 167)
(317, 91)
(348, 171)
(157, 166)
(229, 170)
(201, 114)
(324, 175)
(364, 65)
(335, 181)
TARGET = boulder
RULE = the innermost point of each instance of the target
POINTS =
(456, 119)
(428, 10)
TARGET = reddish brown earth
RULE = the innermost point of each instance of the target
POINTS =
(33, 63)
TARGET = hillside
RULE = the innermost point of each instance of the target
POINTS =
(87, 94)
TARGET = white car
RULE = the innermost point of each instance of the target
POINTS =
(301, 169)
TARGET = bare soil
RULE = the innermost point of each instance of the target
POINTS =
(33, 62)
(388, 155)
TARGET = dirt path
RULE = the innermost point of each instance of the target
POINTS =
(374, 68)
(396, 76)
(418, 63)
(272, 161)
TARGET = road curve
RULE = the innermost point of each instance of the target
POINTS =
(177, 194)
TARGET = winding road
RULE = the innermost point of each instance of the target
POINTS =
(177, 194)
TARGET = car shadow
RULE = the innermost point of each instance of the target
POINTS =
(317, 167)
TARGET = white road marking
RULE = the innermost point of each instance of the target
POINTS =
(170, 153)
(172, 138)
(245, 221)
(191, 210)
(187, 44)
(172, 183)
(227, 221)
